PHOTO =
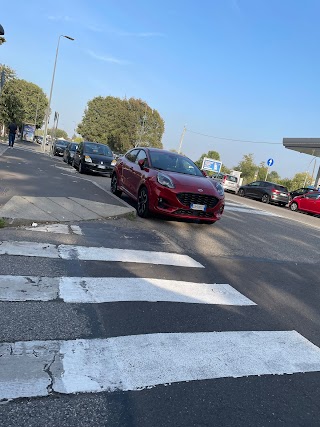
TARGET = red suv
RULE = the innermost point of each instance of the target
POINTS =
(167, 183)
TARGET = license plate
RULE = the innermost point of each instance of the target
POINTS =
(197, 207)
(283, 194)
(101, 167)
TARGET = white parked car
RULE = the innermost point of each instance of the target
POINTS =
(228, 182)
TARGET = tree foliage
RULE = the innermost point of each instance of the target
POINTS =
(2, 40)
(248, 168)
(9, 73)
(121, 123)
(22, 102)
(57, 133)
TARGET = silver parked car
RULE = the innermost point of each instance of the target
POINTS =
(228, 182)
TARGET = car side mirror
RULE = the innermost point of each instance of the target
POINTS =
(141, 163)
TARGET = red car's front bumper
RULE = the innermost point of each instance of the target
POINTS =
(178, 204)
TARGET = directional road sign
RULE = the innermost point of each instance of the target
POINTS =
(270, 162)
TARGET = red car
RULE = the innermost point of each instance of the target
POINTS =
(167, 183)
(309, 202)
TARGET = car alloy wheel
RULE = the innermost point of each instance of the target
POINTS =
(114, 186)
(265, 198)
(80, 168)
(294, 206)
(241, 192)
(143, 203)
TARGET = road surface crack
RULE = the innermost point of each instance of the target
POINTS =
(47, 369)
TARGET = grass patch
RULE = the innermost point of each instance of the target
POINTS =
(2, 223)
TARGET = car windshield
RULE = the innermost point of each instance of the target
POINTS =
(103, 150)
(232, 178)
(172, 162)
(62, 143)
(73, 147)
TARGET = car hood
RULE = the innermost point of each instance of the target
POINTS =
(98, 158)
(192, 183)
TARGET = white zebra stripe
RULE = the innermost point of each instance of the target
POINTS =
(113, 289)
(38, 368)
(87, 253)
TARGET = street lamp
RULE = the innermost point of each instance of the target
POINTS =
(49, 103)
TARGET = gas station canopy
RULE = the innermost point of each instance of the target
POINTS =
(303, 145)
(309, 146)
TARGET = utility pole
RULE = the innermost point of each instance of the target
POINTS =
(181, 139)
(144, 118)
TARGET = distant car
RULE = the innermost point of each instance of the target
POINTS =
(309, 202)
(38, 139)
(93, 157)
(266, 192)
(69, 152)
(59, 146)
(301, 191)
(167, 183)
(228, 182)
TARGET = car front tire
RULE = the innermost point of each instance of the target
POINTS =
(143, 203)
(265, 198)
(80, 168)
(241, 192)
(114, 186)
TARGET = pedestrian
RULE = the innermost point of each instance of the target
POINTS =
(12, 133)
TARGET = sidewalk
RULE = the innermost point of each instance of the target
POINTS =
(36, 188)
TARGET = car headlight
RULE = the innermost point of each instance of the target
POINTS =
(219, 188)
(87, 159)
(165, 180)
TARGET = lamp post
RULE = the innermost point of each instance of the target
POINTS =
(50, 96)
(1, 30)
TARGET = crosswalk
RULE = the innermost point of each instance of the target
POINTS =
(40, 368)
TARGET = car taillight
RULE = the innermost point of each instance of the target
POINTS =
(276, 191)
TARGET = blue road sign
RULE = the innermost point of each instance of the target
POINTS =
(270, 162)
(211, 165)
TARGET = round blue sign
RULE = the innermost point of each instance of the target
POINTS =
(270, 162)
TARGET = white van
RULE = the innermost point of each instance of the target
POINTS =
(228, 182)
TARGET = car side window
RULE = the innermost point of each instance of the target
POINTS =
(80, 147)
(314, 196)
(141, 156)
(131, 155)
(255, 184)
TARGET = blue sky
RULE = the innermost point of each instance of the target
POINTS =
(238, 69)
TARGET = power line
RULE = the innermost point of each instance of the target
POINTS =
(236, 140)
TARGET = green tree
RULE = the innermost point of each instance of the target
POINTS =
(121, 123)
(58, 133)
(8, 72)
(248, 168)
(273, 176)
(22, 102)
(2, 40)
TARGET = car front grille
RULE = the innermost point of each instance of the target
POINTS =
(199, 199)
(190, 212)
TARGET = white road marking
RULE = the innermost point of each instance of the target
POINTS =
(87, 253)
(76, 229)
(113, 289)
(51, 228)
(37, 368)
(248, 210)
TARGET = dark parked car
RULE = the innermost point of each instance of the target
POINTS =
(301, 191)
(94, 157)
(167, 183)
(59, 146)
(266, 192)
(69, 152)
(309, 202)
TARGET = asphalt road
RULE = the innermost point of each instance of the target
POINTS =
(270, 259)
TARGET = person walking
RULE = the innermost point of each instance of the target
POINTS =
(12, 133)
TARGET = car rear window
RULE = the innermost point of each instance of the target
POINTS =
(232, 178)
(281, 188)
